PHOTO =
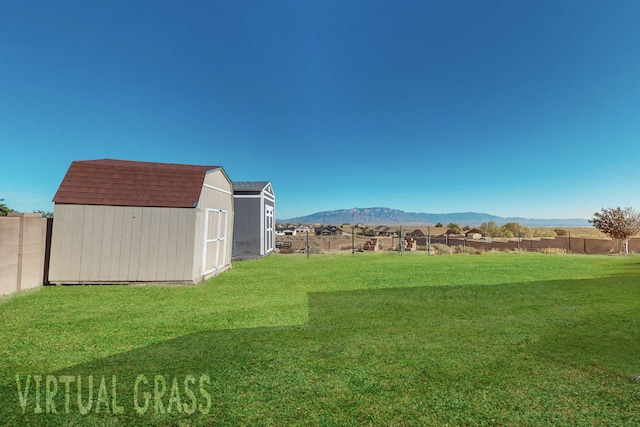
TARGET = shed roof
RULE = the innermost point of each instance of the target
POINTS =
(129, 183)
(250, 185)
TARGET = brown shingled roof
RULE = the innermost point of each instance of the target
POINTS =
(127, 183)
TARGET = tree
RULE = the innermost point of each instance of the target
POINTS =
(618, 224)
(490, 229)
(510, 229)
(455, 228)
(514, 229)
(4, 209)
(45, 214)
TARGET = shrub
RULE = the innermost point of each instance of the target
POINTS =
(560, 231)
(465, 250)
(553, 251)
(441, 248)
(543, 232)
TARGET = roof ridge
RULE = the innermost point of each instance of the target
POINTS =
(140, 163)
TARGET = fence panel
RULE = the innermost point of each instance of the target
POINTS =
(23, 251)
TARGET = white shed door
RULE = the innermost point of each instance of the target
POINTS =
(215, 237)
(268, 229)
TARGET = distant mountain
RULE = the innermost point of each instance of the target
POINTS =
(386, 216)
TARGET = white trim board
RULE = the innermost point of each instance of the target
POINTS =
(217, 189)
(254, 196)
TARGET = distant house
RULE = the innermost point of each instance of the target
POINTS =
(322, 231)
(346, 228)
(286, 231)
(473, 234)
(121, 221)
(330, 230)
(383, 231)
(302, 229)
(416, 233)
(253, 229)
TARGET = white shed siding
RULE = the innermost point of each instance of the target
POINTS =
(106, 244)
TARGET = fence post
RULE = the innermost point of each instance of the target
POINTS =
(353, 240)
(569, 240)
(307, 248)
(428, 240)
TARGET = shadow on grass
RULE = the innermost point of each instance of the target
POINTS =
(525, 354)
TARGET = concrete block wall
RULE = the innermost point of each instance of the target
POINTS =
(23, 245)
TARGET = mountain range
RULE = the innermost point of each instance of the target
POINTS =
(387, 216)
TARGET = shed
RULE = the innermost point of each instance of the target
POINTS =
(118, 221)
(254, 223)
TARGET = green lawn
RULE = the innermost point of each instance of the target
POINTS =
(371, 339)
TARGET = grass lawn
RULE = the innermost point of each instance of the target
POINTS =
(371, 339)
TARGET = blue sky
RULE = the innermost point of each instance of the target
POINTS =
(513, 108)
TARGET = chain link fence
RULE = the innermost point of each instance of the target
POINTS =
(402, 240)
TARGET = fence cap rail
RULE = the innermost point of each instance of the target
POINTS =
(25, 215)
